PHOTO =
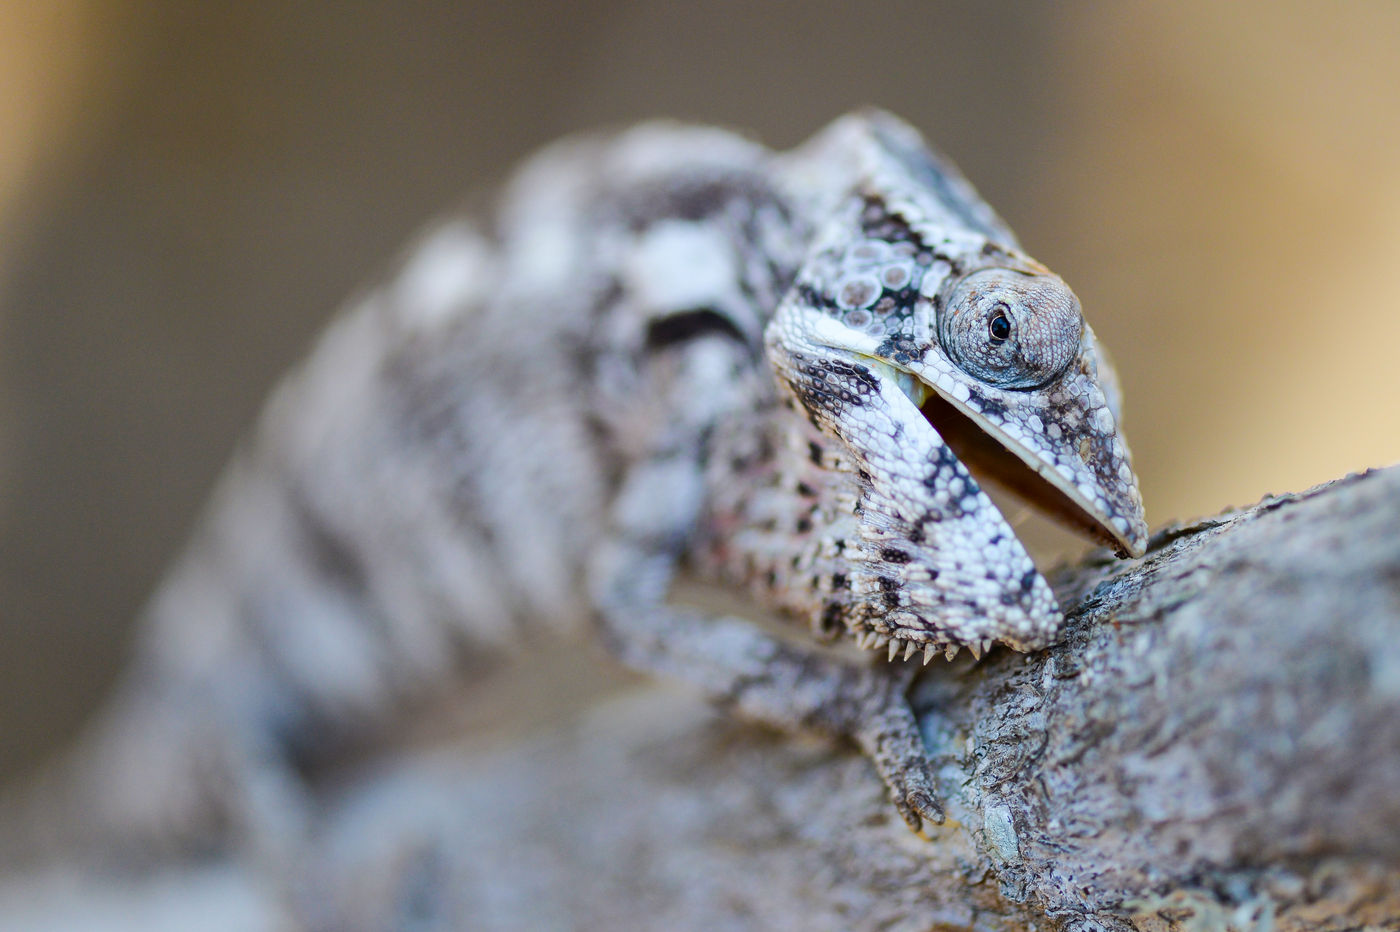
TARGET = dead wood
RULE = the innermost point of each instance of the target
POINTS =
(1214, 744)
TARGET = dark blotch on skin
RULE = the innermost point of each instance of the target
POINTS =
(991, 408)
(698, 200)
(832, 614)
(878, 222)
(765, 448)
(894, 555)
(810, 297)
(331, 555)
(687, 325)
(864, 382)
(900, 348)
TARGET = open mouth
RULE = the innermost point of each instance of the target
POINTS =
(991, 462)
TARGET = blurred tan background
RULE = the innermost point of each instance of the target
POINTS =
(187, 191)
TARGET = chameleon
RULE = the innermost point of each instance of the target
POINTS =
(666, 351)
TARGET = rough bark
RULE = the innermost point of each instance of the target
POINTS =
(1214, 744)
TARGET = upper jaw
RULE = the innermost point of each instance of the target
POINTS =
(1066, 454)
(1058, 447)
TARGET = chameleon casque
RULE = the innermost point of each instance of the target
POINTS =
(671, 350)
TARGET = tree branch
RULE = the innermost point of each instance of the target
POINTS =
(1214, 744)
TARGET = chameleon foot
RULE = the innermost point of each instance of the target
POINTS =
(890, 736)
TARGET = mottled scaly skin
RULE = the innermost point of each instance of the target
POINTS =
(673, 348)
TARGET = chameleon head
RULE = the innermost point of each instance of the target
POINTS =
(987, 376)
(933, 356)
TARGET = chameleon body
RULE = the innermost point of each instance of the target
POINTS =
(670, 349)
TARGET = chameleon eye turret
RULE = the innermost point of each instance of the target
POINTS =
(1011, 329)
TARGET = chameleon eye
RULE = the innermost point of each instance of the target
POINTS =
(1000, 328)
(1011, 329)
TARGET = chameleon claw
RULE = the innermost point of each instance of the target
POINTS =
(926, 808)
(919, 809)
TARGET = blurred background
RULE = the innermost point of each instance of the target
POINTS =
(187, 192)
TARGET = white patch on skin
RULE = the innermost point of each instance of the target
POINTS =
(547, 258)
(445, 273)
(681, 265)
(830, 332)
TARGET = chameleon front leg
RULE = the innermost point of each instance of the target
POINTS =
(732, 661)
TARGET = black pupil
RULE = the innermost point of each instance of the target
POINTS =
(1000, 327)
